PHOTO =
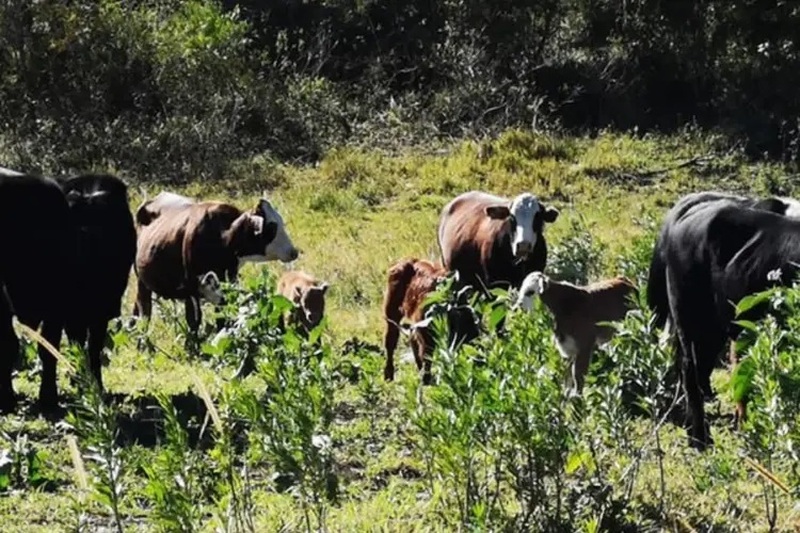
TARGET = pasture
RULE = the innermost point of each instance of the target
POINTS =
(466, 453)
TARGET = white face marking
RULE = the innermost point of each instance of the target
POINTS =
(533, 285)
(524, 209)
(210, 288)
(281, 248)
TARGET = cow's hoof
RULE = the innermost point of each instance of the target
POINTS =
(8, 402)
(388, 374)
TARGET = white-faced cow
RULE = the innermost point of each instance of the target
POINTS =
(37, 260)
(714, 255)
(578, 312)
(106, 240)
(490, 240)
(181, 245)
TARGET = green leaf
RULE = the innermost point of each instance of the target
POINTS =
(497, 314)
(742, 379)
(749, 302)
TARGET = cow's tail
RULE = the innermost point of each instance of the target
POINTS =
(657, 298)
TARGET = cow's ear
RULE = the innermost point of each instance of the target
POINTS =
(550, 214)
(497, 211)
(257, 223)
(270, 231)
(323, 287)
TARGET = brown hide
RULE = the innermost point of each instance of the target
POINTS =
(577, 311)
(308, 295)
(181, 245)
(478, 246)
(409, 282)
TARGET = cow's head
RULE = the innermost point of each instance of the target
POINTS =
(210, 289)
(274, 246)
(311, 302)
(248, 234)
(526, 217)
(533, 285)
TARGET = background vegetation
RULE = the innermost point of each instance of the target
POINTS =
(361, 120)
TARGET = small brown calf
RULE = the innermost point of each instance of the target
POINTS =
(577, 311)
(410, 281)
(308, 295)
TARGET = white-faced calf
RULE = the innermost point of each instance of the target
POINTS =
(308, 295)
(577, 311)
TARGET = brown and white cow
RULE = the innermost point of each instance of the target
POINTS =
(494, 241)
(410, 281)
(308, 295)
(577, 311)
(182, 244)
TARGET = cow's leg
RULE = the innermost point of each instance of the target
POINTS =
(581, 365)
(48, 392)
(9, 351)
(390, 338)
(97, 341)
(144, 300)
(423, 347)
(684, 318)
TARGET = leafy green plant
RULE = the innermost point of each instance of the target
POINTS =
(577, 258)
(172, 483)
(95, 423)
(21, 463)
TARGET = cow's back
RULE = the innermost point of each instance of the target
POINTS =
(37, 246)
(106, 241)
(163, 202)
(466, 234)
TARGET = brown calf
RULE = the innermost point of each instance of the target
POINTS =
(577, 311)
(410, 281)
(308, 295)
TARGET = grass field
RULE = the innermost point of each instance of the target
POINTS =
(352, 215)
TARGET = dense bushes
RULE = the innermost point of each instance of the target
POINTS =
(170, 90)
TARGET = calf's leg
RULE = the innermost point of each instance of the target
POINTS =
(390, 338)
(144, 300)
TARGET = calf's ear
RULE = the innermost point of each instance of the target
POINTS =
(497, 211)
(323, 287)
(550, 214)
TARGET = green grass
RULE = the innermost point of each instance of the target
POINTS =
(352, 216)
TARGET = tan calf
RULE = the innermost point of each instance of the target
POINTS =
(577, 311)
(308, 295)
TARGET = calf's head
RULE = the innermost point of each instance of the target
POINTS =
(526, 217)
(274, 245)
(311, 303)
(533, 285)
(209, 287)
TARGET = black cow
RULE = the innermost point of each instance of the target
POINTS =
(106, 251)
(715, 254)
(657, 282)
(37, 261)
